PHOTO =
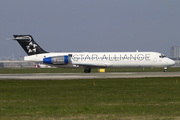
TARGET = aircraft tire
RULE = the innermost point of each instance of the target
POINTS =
(165, 69)
(87, 70)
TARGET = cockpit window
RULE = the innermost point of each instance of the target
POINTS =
(162, 56)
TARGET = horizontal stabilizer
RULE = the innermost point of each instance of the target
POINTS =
(24, 38)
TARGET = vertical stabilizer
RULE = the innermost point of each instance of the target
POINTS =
(28, 44)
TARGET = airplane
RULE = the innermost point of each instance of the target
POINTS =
(90, 60)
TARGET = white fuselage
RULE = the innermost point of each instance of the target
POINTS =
(107, 59)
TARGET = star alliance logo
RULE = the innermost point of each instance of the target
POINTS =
(31, 47)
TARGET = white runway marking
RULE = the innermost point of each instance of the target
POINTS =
(121, 73)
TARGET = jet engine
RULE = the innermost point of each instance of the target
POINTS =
(57, 60)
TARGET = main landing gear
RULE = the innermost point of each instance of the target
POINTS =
(165, 69)
(87, 70)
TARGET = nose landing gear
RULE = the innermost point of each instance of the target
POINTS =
(165, 69)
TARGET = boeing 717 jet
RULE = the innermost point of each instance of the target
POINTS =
(89, 60)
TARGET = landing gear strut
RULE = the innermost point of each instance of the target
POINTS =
(87, 70)
(165, 69)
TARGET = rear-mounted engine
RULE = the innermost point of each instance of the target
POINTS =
(57, 60)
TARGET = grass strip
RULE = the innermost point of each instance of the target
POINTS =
(130, 98)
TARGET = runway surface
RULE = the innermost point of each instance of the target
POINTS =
(64, 76)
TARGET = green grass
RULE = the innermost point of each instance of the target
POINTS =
(142, 98)
(79, 70)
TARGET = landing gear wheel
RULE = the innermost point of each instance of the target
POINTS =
(87, 70)
(165, 69)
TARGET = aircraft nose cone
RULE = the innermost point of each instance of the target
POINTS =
(172, 62)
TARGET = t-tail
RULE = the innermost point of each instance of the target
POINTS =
(28, 44)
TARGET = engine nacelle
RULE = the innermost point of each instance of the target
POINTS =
(57, 60)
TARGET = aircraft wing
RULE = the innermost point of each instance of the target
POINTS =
(92, 65)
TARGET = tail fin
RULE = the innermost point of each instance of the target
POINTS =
(28, 44)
